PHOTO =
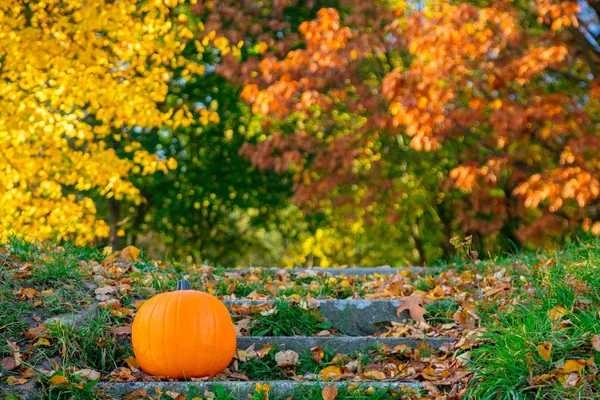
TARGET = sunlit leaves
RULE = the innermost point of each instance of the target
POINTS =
(78, 77)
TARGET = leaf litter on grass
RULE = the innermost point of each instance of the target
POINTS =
(480, 295)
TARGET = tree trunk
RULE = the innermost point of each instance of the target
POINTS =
(418, 251)
(114, 208)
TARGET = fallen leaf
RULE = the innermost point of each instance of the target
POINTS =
(58, 380)
(242, 326)
(596, 342)
(129, 254)
(8, 363)
(545, 350)
(13, 381)
(29, 292)
(122, 330)
(105, 290)
(557, 313)
(136, 394)
(42, 342)
(88, 374)
(414, 305)
(286, 358)
(375, 374)
(175, 395)
(330, 372)
(573, 366)
(263, 388)
(329, 392)
(317, 354)
(132, 362)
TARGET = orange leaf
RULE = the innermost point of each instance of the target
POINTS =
(58, 380)
(130, 253)
(414, 305)
(545, 350)
(329, 392)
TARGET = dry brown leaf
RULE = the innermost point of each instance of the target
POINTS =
(122, 330)
(414, 305)
(88, 374)
(8, 363)
(596, 342)
(136, 394)
(105, 290)
(329, 392)
(287, 358)
(317, 354)
(545, 350)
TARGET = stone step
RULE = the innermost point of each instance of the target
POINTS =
(244, 390)
(336, 344)
(351, 317)
(386, 270)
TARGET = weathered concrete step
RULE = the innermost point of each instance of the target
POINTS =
(244, 390)
(386, 270)
(337, 344)
(351, 317)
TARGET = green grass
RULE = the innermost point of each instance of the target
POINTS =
(288, 320)
(506, 363)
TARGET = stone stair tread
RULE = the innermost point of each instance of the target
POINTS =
(354, 271)
(345, 344)
(241, 389)
(352, 317)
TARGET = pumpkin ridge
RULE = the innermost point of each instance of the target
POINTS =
(178, 346)
(214, 333)
(166, 331)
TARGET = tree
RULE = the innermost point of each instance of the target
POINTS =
(511, 82)
(81, 83)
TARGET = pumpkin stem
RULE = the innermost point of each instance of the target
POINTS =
(184, 285)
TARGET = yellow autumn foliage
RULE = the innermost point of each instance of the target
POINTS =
(76, 77)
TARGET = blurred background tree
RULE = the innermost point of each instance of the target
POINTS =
(305, 132)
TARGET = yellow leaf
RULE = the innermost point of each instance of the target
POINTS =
(375, 375)
(545, 350)
(573, 366)
(46, 292)
(132, 362)
(42, 342)
(330, 372)
(263, 388)
(329, 392)
(557, 313)
(13, 381)
(138, 304)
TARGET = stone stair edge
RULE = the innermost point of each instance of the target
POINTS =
(242, 389)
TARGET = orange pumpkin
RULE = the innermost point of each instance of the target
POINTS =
(183, 334)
